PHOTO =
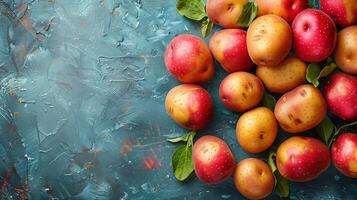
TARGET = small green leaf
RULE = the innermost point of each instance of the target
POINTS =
(250, 11)
(282, 186)
(326, 130)
(281, 183)
(206, 27)
(312, 73)
(182, 138)
(327, 70)
(182, 163)
(271, 161)
(192, 9)
(268, 101)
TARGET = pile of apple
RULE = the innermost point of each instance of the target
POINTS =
(272, 55)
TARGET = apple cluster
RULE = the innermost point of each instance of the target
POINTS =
(271, 55)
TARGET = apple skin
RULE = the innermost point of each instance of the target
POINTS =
(344, 154)
(302, 159)
(189, 59)
(315, 35)
(241, 91)
(253, 178)
(345, 53)
(229, 48)
(340, 92)
(343, 12)
(225, 12)
(286, 9)
(190, 106)
(213, 160)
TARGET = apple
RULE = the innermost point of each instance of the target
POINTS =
(253, 178)
(213, 160)
(286, 9)
(302, 159)
(346, 50)
(229, 48)
(225, 13)
(344, 154)
(269, 40)
(343, 12)
(241, 91)
(189, 59)
(340, 92)
(315, 35)
(190, 106)
(300, 109)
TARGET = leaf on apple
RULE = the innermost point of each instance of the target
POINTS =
(206, 27)
(192, 9)
(268, 101)
(342, 129)
(282, 186)
(182, 163)
(326, 130)
(195, 10)
(250, 11)
(314, 71)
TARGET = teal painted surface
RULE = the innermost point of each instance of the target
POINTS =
(81, 105)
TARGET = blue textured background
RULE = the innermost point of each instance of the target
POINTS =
(81, 105)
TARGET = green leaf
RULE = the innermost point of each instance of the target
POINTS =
(326, 130)
(281, 183)
(327, 70)
(250, 11)
(182, 163)
(312, 73)
(182, 138)
(206, 27)
(282, 186)
(192, 9)
(271, 161)
(268, 101)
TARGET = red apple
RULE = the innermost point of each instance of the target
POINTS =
(340, 92)
(286, 9)
(225, 13)
(189, 59)
(190, 106)
(229, 48)
(344, 154)
(302, 159)
(213, 160)
(343, 12)
(315, 35)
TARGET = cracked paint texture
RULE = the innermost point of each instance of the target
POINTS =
(81, 105)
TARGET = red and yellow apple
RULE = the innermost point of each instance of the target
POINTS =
(229, 48)
(241, 91)
(269, 40)
(225, 12)
(343, 12)
(256, 130)
(283, 77)
(286, 9)
(190, 106)
(253, 178)
(340, 92)
(346, 50)
(213, 160)
(302, 159)
(344, 154)
(315, 35)
(189, 59)
(300, 109)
